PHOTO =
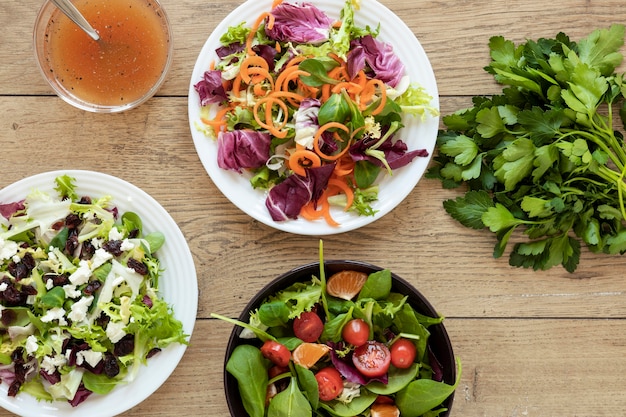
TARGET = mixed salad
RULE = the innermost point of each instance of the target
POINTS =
(79, 306)
(310, 108)
(310, 350)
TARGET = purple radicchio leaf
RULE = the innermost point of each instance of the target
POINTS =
(300, 23)
(285, 200)
(8, 209)
(81, 395)
(380, 58)
(210, 88)
(396, 152)
(347, 369)
(436, 366)
(241, 149)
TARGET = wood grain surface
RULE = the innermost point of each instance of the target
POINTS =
(531, 343)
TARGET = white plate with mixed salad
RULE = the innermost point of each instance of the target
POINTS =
(145, 275)
(248, 118)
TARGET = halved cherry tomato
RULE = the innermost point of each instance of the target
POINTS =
(356, 332)
(329, 383)
(308, 327)
(276, 352)
(372, 359)
(403, 353)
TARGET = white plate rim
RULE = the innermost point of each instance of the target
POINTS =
(183, 296)
(417, 134)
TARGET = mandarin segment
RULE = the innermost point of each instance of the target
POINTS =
(346, 284)
(307, 354)
(384, 410)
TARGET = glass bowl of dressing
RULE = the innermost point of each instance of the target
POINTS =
(120, 71)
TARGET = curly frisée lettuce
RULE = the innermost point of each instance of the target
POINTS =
(79, 305)
(297, 91)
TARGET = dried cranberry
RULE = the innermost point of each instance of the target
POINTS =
(125, 346)
(133, 233)
(84, 200)
(92, 287)
(8, 317)
(113, 247)
(72, 221)
(57, 279)
(111, 366)
(87, 250)
(152, 352)
(138, 266)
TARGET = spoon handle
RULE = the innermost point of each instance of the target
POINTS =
(68, 8)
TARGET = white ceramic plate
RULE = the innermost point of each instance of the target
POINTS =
(178, 286)
(417, 134)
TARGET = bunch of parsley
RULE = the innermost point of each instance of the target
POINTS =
(543, 158)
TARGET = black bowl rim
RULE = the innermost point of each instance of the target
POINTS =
(438, 331)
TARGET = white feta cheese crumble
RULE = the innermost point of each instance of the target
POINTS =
(79, 309)
(127, 245)
(96, 242)
(50, 364)
(30, 300)
(82, 274)
(115, 234)
(3, 286)
(49, 284)
(56, 313)
(8, 249)
(89, 356)
(16, 258)
(71, 291)
(100, 257)
(31, 344)
(115, 331)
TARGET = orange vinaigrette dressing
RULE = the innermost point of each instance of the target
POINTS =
(120, 68)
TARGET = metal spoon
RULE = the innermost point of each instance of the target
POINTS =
(68, 8)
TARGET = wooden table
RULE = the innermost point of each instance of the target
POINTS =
(531, 343)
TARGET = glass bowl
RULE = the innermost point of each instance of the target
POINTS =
(122, 70)
(438, 342)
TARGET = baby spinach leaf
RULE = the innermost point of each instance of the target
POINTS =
(422, 395)
(397, 380)
(274, 313)
(353, 408)
(289, 403)
(248, 366)
(377, 286)
(307, 381)
(333, 327)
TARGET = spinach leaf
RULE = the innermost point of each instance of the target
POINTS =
(318, 72)
(60, 239)
(335, 109)
(333, 327)
(365, 173)
(356, 406)
(248, 366)
(307, 381)
(406, 321)
(377, 286)
(422, 395)
(274, 313)
(397, 380)
(289, 403)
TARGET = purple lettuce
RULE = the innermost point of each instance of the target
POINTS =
(396, 153)
(300, 23)
(8, 209)
(210, 88)
(378, 56)
(285, 200)
(242, 149)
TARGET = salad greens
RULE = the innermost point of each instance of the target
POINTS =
(79, 305)
(417, 390)
(296, 93)
(544, 157)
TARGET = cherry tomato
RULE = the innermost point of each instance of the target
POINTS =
(308, 327)
(276, 352)
(356, 332)
(329, 382)
(372, 359)
(403, 353)
(276, 370)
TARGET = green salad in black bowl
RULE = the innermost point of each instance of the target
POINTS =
(351, 339)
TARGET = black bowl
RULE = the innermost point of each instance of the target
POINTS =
(439, 342)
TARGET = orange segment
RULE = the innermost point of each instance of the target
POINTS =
(346, 284)
(384, 410)
(307, 354)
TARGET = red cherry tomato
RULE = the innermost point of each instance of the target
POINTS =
(403, 353)
(356, 332)
(276, 370)
(329, 382)
(372, 359)
(276, 352)
(308, 327)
